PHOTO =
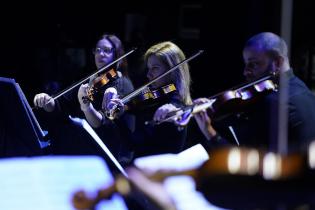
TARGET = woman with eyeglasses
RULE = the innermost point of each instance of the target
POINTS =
(108, 48)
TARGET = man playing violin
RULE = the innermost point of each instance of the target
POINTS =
(258, 126)
(148, 139)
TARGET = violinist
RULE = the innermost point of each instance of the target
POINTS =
(166, 138)
(108, 48)
(258, 125)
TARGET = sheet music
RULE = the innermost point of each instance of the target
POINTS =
(49, 182)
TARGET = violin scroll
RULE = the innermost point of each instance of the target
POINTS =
(81, 199)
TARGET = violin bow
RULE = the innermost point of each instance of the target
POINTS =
(143, 87)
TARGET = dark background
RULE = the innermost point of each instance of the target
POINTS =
(53, 41)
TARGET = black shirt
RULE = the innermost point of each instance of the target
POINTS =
(258, 125)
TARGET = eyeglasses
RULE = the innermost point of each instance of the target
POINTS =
(106, 50)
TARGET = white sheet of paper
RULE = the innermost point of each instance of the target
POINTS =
(182, 190)
(48, 182)
(190, 158)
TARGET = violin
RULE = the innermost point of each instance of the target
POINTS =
(234, 101)
(148, 99)
(225, 103)
(157, 93)
(99, 82)
(112, 114)
(151, 97)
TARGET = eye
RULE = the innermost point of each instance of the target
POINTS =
(97, 50)
(106, 50)
(252, 64)
(155, 68)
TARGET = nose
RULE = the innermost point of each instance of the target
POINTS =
(149, 75)
(102, 54)
(245, 71)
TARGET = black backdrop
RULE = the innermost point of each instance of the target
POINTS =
(52, 41)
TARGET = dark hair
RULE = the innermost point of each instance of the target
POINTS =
(273, 44)
(122, 65)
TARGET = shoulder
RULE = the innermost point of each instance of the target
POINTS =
(177, 102)
(126, 82)
(298, 87)
(123, 85)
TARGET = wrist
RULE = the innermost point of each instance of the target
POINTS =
(86, 107)
(50, 107)
(212, 132)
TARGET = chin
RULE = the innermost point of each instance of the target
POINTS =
(100, 65)
(249, 79)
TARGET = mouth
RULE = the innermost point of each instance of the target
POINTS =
(248, 74)
(101, 61)
(249, 77)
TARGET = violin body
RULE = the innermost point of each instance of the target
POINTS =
(104, 79)
(224, 104)
(151, 99)
(234, 101)
(157, 93)
(100, 82)
(144, 101)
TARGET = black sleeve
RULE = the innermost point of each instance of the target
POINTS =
(124, 86)
(66, 105)
(195, 136)
(301, 120)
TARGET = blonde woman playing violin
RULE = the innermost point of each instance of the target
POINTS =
(166, 138)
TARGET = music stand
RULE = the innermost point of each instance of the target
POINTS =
(20, 133)
(112, 161)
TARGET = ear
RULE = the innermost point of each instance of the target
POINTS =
(278, 62)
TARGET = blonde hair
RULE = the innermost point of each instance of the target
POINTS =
(171, 55)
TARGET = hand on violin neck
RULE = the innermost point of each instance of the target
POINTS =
(83, 97)
(113, 106)
(203, 120)
(109, 94)
(162, 112)
(204, 124)
(200, 101)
